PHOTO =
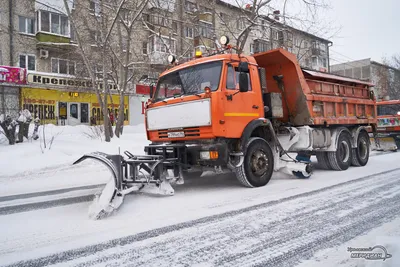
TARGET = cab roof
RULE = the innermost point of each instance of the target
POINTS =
(205, 59)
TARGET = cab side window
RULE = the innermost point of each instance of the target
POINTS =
(231, 78)
(237, 79)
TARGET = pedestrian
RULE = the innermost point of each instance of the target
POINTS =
(92, 120)
(112, 119)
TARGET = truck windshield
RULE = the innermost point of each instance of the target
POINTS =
(189, 81)
(388, 109)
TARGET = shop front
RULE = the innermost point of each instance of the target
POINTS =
(67, 107)
(11, 78)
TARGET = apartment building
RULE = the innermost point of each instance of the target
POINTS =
(37, 37)
(385, 78)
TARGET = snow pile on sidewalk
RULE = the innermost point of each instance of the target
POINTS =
(62, 145)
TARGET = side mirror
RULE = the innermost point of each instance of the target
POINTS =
(151, 91)
(243, 82)
(243, 67)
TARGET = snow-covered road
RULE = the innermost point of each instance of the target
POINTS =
(212, 220)
(274, 233)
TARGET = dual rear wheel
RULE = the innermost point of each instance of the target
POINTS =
(346, 156)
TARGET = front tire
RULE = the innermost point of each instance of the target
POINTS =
(258, 164)
(340, 159)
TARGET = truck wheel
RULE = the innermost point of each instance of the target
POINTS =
(258, 164)
(323, 160)
(360, 155)
(340, 159)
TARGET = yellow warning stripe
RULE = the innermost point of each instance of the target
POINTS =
(241, 114)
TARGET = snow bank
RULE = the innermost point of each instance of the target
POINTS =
(64, 145)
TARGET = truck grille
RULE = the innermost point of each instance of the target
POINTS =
(189, 132)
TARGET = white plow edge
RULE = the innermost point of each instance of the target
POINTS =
(110, 198)
(104, 203)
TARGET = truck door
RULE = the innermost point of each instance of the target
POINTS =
(240, 107)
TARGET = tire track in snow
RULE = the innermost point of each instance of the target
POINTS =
(279, 232)
(46, 193)
(277, 223)
(45, 204)
(37, 200)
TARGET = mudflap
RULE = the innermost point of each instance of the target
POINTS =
(111, 197)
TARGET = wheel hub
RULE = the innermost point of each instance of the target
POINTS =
(259, 163)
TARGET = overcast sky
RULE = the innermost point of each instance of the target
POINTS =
(369, 29)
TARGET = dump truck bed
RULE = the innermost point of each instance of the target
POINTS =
(316, 98)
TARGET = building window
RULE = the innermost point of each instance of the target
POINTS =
(205, 30)
(94, 7)
(26, 25)
(190, 7)
(174, 27)
(326, 65)
(297, 42)
(160, 20)
(158, 45)
(241, 24)
(144, 48)
(260, 46)
(27, 61)
(188, 32)
(62, 66)
(54, 23)
(204, 9)
(223, 18)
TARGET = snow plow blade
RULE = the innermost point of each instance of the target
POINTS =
(110, 198)
(383, 143)
(146, 173)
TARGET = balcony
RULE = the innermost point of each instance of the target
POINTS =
(43, 37)
(52, 42)
(53, 29)
(206, 16)
(158, 58)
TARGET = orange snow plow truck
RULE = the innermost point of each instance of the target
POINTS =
(245, 114)
(388, 126)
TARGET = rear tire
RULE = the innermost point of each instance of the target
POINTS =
(340, 159)
(323, 160)
(360, 155)
(258, 164)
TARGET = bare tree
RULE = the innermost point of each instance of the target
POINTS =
(105, 44)
(389, 76)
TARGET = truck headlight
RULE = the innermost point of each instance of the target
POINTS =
(209, 154)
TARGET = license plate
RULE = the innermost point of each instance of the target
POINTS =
(176, 134)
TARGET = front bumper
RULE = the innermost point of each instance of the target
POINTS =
(189, 155)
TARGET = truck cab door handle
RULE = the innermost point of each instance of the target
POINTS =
(255, 107)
